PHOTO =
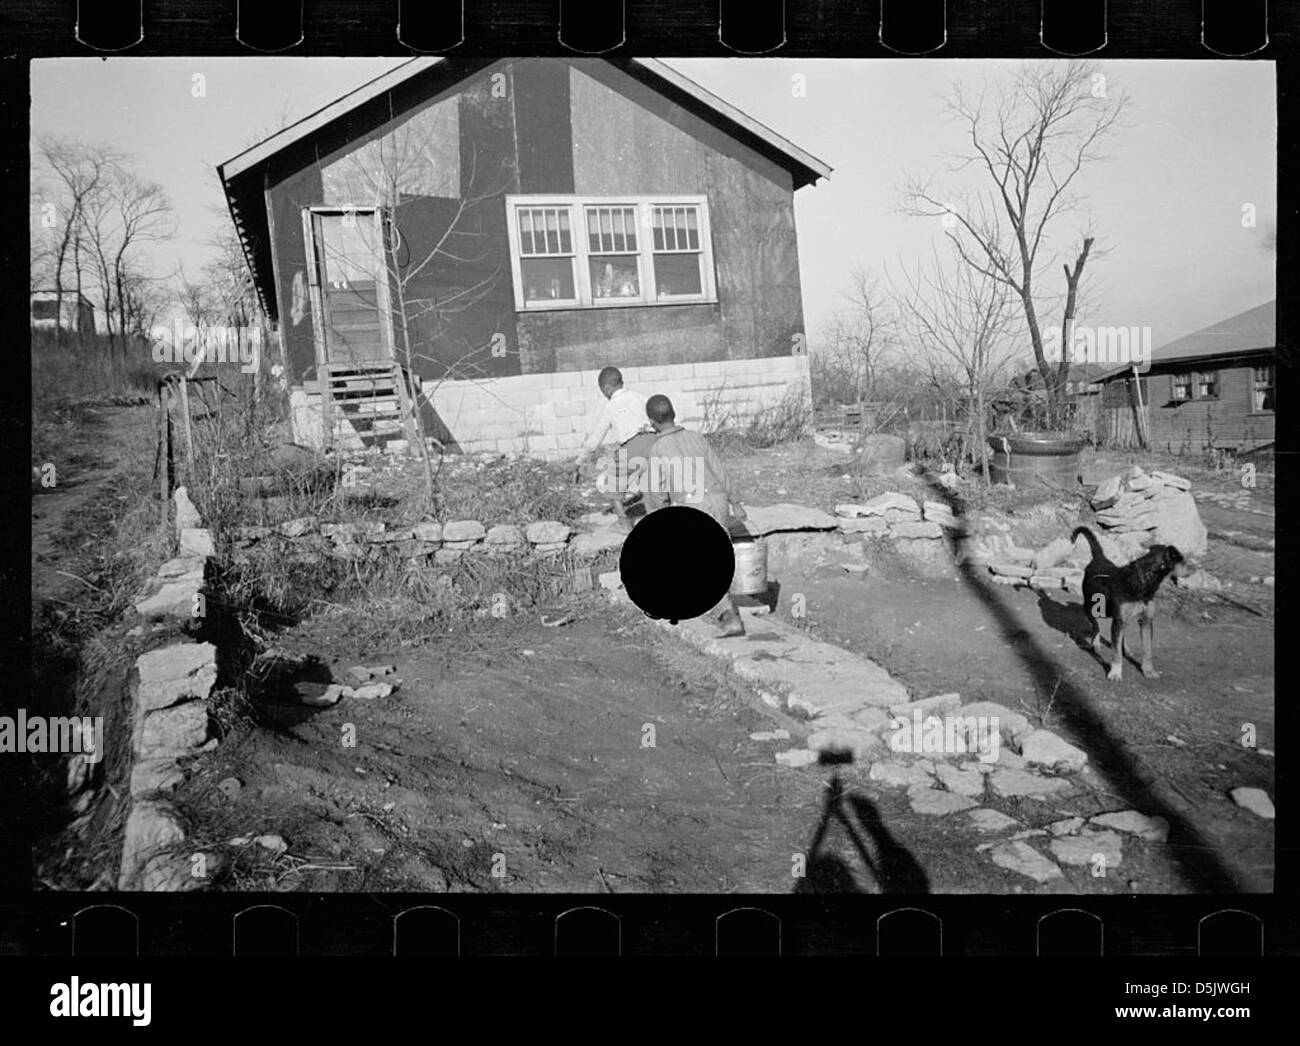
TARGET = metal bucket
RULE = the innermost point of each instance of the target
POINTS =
(750, 578)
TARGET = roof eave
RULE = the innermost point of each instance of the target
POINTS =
(1191, 361)
(299, 129)
(268, 147)
(814, 167)
(805, 169)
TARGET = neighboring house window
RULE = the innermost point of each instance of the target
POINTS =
(585, 252)
(1263, 390)
(1199, 385)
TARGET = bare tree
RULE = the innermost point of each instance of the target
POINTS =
(957, 319)
(226, 276)
(97, 237)
(76, 174)
(865, 332)
(196, 299)
(1031, 141)
(143, 299)
(44, 236)
(394, 173)
(143, 214)
(119, 214)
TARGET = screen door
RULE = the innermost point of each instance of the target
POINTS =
(348, 273)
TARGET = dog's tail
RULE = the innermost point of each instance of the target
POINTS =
(1093, 543)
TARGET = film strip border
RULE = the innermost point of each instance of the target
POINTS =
(285, 925)
(88, 926)
(947, 28)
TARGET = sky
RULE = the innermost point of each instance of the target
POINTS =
(1199, 144)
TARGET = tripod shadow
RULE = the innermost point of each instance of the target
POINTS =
(890, 866)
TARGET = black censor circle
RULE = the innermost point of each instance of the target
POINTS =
(677, 563)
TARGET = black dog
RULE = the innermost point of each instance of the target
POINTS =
(1122, 593)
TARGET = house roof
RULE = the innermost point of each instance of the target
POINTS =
(68, 294)
(1087, 373)
(1247, 332)
(241, 176)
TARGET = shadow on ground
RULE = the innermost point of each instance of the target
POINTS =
(1191, 856)
(888, 864)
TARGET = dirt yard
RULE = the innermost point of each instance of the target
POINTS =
(94, 538)
(516, 757)
(606, 756)
(1170, 746)
(595, 756)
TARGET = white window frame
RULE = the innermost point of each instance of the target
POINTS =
(644, 207)
(1257, 387)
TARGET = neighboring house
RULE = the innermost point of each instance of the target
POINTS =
(1214, 388)
(523, 223)
(74, 312)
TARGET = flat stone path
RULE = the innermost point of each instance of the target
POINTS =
(845, 699)
(796, 672)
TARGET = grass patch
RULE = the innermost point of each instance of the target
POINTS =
(391, 598)
(277, 582)
(787, 420)
(108, 543)
(89, 370)
(511, 490)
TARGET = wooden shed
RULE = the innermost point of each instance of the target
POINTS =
(68, 309)
(481, 237)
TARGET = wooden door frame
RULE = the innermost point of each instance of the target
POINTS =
(316, 294)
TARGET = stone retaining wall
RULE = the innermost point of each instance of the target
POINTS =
(170, 687)
(311, 539)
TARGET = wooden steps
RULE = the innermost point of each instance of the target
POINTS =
(370, 402)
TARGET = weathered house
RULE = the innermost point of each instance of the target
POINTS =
(71, 311)
(1214, 388)
(517, 225)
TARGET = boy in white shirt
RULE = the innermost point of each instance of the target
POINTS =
(625, 416)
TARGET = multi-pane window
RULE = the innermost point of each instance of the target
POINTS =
(1263, 389)
(576, 252)
(545, 255)
(612, 256)
(677, 251)
(1196, 385)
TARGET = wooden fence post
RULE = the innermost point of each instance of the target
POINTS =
(164, 450)
(1143, 435)
(189, 431)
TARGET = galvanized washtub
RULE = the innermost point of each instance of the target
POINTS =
(1026, 458)
(750, 578)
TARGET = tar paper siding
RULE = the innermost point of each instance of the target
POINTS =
(534, 126)
(629, 139)
(463, 161)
